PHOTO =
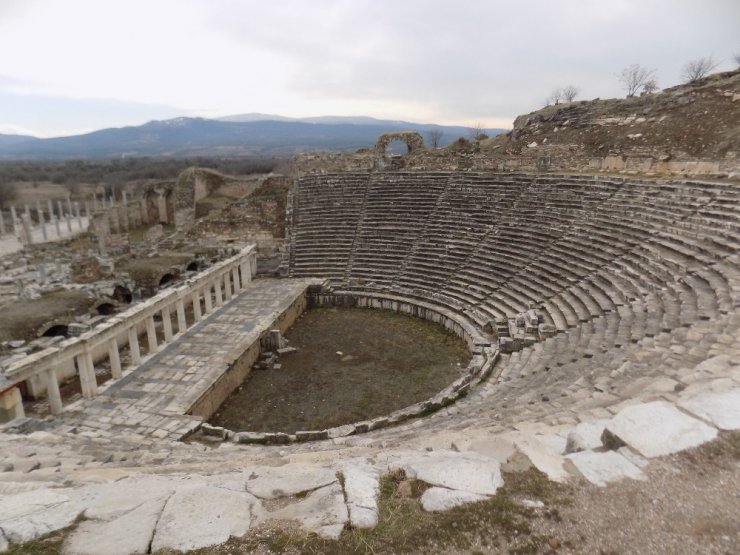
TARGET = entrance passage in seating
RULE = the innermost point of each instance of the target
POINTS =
(351, 365)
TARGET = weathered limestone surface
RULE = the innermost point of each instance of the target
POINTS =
(362, 488)
(442, 499)
(292, 479)
(601, 468)
(322, 511)
(658, 428)
(468, 472)
(201, 516)
(27, 516)
(721, 409)
(129, 533)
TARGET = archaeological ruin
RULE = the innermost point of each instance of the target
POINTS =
(598, 294)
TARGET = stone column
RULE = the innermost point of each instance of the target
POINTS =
(167, 323)
(59, 230)
(227, 285)
(219, 293)
(115, 359)
(235, 279)
(95, 202)
(125, 215)
(79, 216)
(101, 244)
(151, 334)
(162, 208)
(197, 315)
(27, 211)
(69, 205)
(69, 223)
(87, 211)
(52, 391)
(88, 382)
(27, 232)
(182, 323)
(133, 345)
(14, 215)
(2, 223)
(208, 299)
(42, 221)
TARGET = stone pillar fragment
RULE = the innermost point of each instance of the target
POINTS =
(115, 359)
(52, 391)
(151, 334)
(133, 345)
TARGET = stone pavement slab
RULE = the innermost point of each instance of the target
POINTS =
(721, 409)
(658, 428)
(601, 468)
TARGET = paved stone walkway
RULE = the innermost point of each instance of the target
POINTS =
(153, 399)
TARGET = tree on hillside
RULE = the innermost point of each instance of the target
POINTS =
(569, 93)
(435, 137)
(634, 77)
(555, 97)
(477, 133)
(8, 193)
(698, 69)
(650, 87)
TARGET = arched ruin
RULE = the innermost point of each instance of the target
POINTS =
(413, 140)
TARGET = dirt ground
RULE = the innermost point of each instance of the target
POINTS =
(23, 319)
(388, 361)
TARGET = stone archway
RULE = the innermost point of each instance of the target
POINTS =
(414, 141)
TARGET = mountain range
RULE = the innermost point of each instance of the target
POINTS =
(238, 135)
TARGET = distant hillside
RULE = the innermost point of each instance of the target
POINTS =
(204, 137)
(8, 140)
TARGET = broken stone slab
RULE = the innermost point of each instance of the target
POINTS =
(541, 457)
(586, 436)
(468, 471)
(127, 534)
(361, 488)
(286, 351)
(202, 516)
(601, 468)
(248, 437)
(273, 482)
(311, 435)
(323, 511)
(437, 499)
(214, 431)
(721, 409)
(32, 514)
(110, 500)
(655, 429)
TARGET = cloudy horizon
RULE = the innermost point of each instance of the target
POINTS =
(81, 65)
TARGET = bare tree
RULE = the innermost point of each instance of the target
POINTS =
(477, 133)
(555, 97)
(650, 87)
(569, 93)
(698, 69)
(634, 77)
(435, 137)
(8, 193)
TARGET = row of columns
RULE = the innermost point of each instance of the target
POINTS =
(223, 287)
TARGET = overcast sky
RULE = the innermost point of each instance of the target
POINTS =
(76, 65)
